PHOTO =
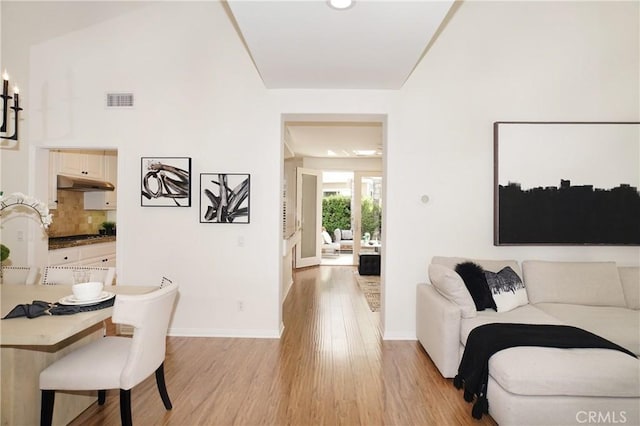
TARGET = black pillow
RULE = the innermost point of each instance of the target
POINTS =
(476, 282)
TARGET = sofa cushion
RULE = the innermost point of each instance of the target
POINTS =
(346, 234)
(475, 281)
(581, 283)
(487, 264)
(527, 314)
(619, 325)
(630, 278)
(551, 371)
(579, 372)
(507, 289)
(450, 285)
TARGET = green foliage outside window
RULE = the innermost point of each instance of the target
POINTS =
(371, 217)
(336, 213)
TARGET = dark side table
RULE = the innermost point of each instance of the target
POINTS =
(369, 264)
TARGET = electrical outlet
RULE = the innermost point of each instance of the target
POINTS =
(240, 306)
(89, 219)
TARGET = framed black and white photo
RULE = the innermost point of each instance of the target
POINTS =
(165, 181)
(566, 183)
(224, 197)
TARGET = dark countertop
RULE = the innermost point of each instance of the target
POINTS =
(79, 240)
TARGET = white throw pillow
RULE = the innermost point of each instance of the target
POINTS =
(450, 285)
(326, 237)
(507, 289)
(347, 235)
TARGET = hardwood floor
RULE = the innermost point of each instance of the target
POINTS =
(330, 367)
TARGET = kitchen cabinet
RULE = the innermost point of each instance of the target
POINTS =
(101, 254)
(105, 200)
(81, 163)
(64, 256)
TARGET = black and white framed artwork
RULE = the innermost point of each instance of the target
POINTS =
(224, 197)
(166, 181)
(566, 183)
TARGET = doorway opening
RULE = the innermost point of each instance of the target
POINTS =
(337, 234)
(317, 148)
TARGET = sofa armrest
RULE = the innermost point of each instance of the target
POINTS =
(438, 329)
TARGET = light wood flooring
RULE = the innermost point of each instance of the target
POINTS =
(330, 367)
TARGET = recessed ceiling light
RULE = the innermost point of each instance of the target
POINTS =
(341, 4)
(364, 152)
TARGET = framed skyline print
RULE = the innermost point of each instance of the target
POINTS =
(165, 181)
(566, 183)
(224, 197)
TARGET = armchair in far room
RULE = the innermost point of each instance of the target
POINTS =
(345, 238)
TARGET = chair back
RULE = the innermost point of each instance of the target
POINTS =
(19, 275)
(149, 314)
(56, 275)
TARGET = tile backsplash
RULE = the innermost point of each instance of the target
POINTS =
(70, 218)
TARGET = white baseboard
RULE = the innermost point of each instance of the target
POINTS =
(398, 335)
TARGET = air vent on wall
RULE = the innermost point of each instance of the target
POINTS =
(119, 100)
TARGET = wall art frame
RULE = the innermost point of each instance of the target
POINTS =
(225, 198)
(165, 182)
(566, 183)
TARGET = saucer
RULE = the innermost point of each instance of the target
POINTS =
(72, 301)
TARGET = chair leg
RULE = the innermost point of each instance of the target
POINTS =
(102, 396)
(46, 407)
(125, 407)
(162, 387)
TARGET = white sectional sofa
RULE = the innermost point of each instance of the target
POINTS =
(536, 385)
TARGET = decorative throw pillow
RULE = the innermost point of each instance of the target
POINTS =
(326, 237)
(476, 283)
(347, 234)
(449, 284)
(507, 289)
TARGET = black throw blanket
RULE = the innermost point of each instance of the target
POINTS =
(486, 340)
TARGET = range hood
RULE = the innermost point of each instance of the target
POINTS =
(71, 183)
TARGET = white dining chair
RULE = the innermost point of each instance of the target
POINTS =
(64, 274)
(117, 362)
(19, 275)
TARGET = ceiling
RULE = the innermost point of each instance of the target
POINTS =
(306, 44)
(375, 44)
(334, 139)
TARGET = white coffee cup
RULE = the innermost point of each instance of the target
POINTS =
(87, 291)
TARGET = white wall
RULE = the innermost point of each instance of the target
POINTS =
(533, 61)
(198, 95)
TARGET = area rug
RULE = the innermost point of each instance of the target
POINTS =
(370, 286)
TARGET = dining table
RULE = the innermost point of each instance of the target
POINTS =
(27, 346)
